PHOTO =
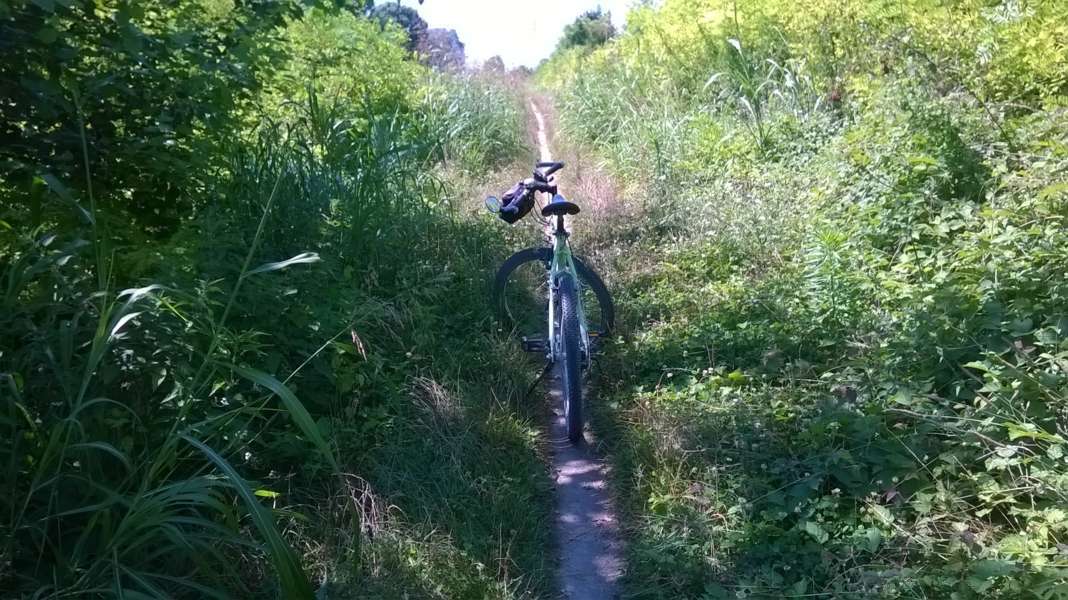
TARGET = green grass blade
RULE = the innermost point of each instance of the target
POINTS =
(203, 590)
(300, 259)
(296, 410)
(294, 583)
(106, 448)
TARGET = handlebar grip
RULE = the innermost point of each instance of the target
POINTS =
(550, 167)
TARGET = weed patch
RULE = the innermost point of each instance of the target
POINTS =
(841, 372)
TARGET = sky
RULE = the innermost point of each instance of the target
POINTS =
(522, 32)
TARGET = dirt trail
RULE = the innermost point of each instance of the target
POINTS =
(590, 560)
(543, 137)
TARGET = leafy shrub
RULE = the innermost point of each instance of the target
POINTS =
(847, 375)
(153, 116)
(174, 403)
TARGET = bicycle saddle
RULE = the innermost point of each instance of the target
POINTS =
(559, 206)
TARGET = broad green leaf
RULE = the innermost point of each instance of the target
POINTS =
(903, 397)
(993, 568)
(1051, 191)
(882, 513)
(1031, 431)
(1006, 451)
(1021, 327)
(873, 538)
(818, 533)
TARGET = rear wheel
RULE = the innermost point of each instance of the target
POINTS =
(569, 356)
(520, 293)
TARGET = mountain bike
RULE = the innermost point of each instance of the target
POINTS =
(556, 303)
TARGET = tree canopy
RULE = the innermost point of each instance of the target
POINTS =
(591, 28)
(407, 18)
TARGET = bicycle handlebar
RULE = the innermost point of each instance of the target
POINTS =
(549, 166)
(520, 199)
(534, 185)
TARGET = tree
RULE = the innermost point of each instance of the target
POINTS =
(495, 64)
(362, 7)
(151, 89)
(407, 18)
(442, 50)
(592, 28)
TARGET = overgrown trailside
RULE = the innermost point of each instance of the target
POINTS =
(843, 365)
(243, 333)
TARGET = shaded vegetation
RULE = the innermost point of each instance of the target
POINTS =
(239, 347)
(845, 374)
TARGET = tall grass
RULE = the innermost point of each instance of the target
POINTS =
(846, 374)
(478, 119)
(150, 436)
(107, 492)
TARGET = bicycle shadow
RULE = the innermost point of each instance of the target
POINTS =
(587, 525)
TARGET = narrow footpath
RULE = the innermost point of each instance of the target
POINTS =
(590, 560)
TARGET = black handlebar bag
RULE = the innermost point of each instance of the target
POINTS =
(517, 203)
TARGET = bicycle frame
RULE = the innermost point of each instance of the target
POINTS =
(563, 263)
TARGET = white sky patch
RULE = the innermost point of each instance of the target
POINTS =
(522, 32)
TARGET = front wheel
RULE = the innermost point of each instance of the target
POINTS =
(519, 294)
(569, 356)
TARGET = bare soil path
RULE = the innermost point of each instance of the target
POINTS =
(587, 528)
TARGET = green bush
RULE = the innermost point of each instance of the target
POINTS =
(227, 259)
(846, 375)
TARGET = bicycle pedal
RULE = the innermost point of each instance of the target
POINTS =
(596, 341)
(534, 344)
